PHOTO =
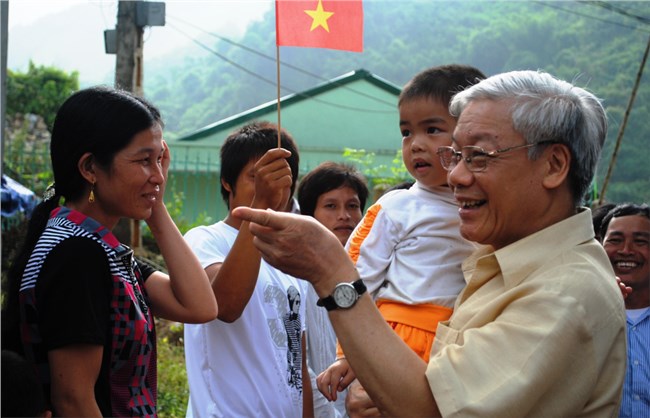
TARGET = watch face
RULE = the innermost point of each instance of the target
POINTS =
(345, 295)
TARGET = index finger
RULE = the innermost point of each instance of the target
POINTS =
(274, 154)
(262, 217)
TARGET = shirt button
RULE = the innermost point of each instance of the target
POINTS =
(636, 397)
(636, 362)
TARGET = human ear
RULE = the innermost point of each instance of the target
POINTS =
(86, 166)
(557, 164)
(226, 186)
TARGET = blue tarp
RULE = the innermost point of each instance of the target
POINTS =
(16, 198)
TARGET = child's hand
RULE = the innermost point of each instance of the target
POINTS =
(625, 290)
(336, 378)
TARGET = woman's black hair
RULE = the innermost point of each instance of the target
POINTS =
(329, 176)
(101, 121)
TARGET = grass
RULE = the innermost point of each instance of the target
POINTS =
(173, 390)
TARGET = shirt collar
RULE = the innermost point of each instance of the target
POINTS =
(517, 260)
(93, 227)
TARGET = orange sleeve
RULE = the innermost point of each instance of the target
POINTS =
(361, 233)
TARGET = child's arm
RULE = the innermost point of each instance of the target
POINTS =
(336, 378)
(372, 246)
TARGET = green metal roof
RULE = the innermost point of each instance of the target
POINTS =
(356, 110)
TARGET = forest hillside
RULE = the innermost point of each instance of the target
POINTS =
(598, 45)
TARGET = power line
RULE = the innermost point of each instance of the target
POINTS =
(293, 67)
(273, 83)
(619, 10)
(547, 4)
(621, 131)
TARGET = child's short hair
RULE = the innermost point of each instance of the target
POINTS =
(440, 83)
(329, 176)
(251, 142)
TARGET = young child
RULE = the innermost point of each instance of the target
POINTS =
(407, 248)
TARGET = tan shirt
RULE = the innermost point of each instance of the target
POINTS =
(538, 331)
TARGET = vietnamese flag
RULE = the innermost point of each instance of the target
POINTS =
(333, 24)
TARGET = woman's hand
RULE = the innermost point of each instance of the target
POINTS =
(159, 210)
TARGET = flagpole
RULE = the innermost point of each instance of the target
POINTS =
(277, 63)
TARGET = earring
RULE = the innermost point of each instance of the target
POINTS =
(91, 196)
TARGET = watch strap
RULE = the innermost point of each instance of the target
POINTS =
(329, 303)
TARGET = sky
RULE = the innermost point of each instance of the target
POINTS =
(69, 34)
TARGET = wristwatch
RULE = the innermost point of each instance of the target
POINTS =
(344, 296)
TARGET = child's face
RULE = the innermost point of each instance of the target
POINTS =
(425, 124)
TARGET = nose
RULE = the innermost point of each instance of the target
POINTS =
(417, 143)
(628, 247)
(344, 214)
(157, 175)
(460, 176)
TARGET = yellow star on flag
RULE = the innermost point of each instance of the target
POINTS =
(320, 17)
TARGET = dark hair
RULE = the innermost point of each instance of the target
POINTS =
(99, 120)
(440, 83)
(248, 143)
(597, 216)
(22, 393)
(624, 209)
(329, 176)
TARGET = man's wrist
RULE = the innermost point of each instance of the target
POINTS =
(344, 296)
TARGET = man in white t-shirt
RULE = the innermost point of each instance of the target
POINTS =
(250, 361)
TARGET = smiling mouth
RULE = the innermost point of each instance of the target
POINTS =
(151, 196)
(421, 164)
(472, 204)
(626, 265)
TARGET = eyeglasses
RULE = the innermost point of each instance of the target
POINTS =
(476, 158)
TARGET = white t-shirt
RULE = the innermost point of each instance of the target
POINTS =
(253, 366)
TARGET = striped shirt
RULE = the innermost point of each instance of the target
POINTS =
(636, 389)
(60, 303)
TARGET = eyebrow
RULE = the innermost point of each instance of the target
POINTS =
(477, 137)
(634, 234)
(147, 150)
(425, 121)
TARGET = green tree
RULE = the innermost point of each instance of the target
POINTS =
(41, 90)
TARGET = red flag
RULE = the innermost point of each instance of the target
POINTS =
(333, 24)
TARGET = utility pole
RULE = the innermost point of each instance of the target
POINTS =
(128, 76)
(621, 131)
(4, 20)
(128, 62)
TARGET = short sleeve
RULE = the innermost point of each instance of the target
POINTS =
(146, 269)
(73, 294)
(210, 245)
